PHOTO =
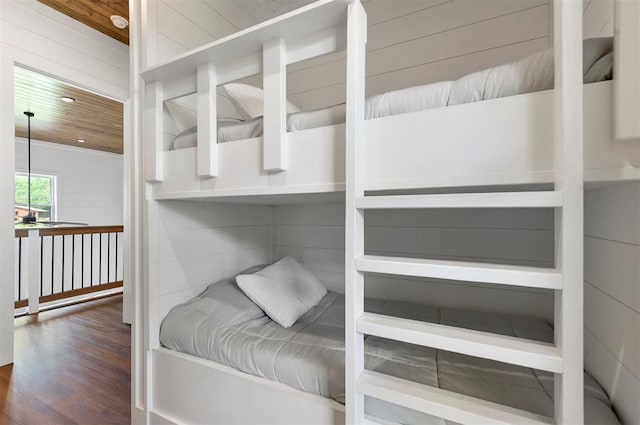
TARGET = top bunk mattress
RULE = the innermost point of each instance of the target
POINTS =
(225, 326)
(530, 74)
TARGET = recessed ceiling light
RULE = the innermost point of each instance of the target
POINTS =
(80, 140)
(119, 22)
(67, 99)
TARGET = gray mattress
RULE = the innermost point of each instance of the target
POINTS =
(224, 326)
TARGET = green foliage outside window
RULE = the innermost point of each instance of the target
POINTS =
(40, 193)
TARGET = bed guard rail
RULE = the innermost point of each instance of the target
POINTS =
(310, 31)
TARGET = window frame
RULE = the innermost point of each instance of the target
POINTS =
(53, 179)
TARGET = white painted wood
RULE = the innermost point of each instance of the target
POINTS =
(612, 294)
(441, 45)
(207, 149)
(7, 199)
(613, 212)
(313, 18)
(547, 199)
(569, 152)
(622, 387)
(38, 37)
(445, 404)
(152, 132)
(263, 401)
(78, 172)
(316, 161)
(275, 104)
(31, 276)
(315, 158)
(534, 277)
(506, 349)
(46, 40)
(495, 126)
(354, 218)
(627, 69)
(623, 341)
(597, 14)
(517, 236)
(612, 267)
(444, 69)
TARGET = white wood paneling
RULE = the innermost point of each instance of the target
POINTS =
(197, 244)
(624, 341)
(409, 42)
(612, 294)
(38, 37)
(621, 386)
(315, 235)
(78, 173)
(264, 401)
(7, 199)
(597, 16)
(42, 38)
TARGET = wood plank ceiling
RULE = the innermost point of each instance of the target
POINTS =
(96, 119)
(96, 14)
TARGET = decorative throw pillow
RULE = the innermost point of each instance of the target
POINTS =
(249, 100)
(284, 290)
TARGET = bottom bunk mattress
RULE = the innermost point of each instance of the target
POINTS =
(225, 326)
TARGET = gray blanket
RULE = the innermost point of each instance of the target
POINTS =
(223, 325)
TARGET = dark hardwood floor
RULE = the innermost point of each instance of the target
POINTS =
(72, 366)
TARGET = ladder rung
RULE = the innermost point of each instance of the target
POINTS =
(533, 277)
(442, 403)
(539, 199)
(507, 349)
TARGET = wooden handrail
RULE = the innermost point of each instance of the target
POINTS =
(75, 230)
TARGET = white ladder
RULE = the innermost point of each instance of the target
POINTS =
(564, 358)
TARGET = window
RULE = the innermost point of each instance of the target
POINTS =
(43, 196)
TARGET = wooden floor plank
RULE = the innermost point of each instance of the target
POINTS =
(72, 366)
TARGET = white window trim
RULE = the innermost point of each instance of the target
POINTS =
(54, 190)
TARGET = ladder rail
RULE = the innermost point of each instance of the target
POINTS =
(354, 220)
(568, 139)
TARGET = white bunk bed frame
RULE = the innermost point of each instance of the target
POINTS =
(533, 138)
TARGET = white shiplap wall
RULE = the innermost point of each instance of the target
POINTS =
(200, 243)
(598, 18)
(315, 233)
(89, 183)
(38, 37)
(612, 294)
(410, 42)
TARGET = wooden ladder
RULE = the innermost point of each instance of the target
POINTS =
(564, 357)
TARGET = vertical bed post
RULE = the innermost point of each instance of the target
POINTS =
(207, 151)
(275, 107)
(568, 129)
(627, 69)
(354, 221)
(152, 131)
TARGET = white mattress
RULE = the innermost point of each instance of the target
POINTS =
(224, 326)
(530, 74)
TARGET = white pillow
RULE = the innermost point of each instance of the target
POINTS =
(285, 290)
(249, 100)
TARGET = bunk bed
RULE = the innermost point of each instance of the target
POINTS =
(311, 160)
(523, 140)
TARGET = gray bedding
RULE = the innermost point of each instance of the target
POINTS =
(223, 325)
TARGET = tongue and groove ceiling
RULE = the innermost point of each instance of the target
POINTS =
(96, 14)
(96, 119)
